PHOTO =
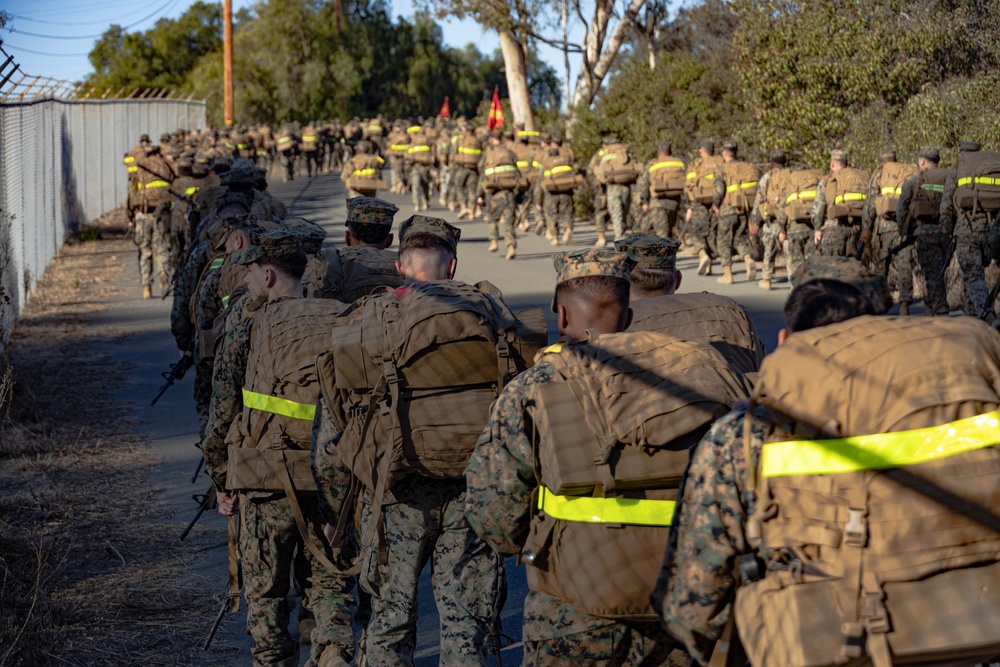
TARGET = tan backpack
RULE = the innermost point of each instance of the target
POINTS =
(890, 186)
(420, 150)
(500, 171)
(559, 175)
(877, 549)
(741, 185)
(926, 203)
(700, 177)
(667, 178)
(846, 191)
(704, 318)
(617, 166)
(978, 184)
(613, 427)
(777, 183)
(800, 194)
(469, 151)
(349, 273)
(366, 173)
(399, 143)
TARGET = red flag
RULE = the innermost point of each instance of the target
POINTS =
(445, 110)
(495, 119)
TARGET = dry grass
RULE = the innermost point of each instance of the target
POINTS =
(88, 576)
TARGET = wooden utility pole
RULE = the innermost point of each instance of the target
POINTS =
(227, 59)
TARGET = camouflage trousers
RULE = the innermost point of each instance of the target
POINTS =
(314, 164)
(700, 236)
(661, 218)
(501, 212)
(288, 162)
(397, 166)
(838, 240)
(523, 207)
(901, 271)
(556, 634)
(268, 541)
(798, 247)
(731, 235)
(769, 232)
(427, 523)
(558, 209)
(618, 205)
(202, 393)
(600, 209)
(464, 183)
(151, 234)
(973, 254)
(420, 184)
(932, 246)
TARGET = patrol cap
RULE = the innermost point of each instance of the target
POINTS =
(164, 138)
(222, 227)
(370, 211)
(730, 146)
(610, 139)
(840, 155)
(242, 171)
(311, 235)
(707, 144)
(847, 270)
(650, 252)
(424, 224)
(144, 138)
(665, 147)
(556, 139)
(930, 153)
(592, 262)
(778, 155)
(969, 146)
(269, 244)
(887, 155)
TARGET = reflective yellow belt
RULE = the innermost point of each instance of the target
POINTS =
(746, 185)
(282, 140)
(608, 156)
(930, 187)
(191, 190)
(470, 151)
(128, 159)
(522, 164)
(278, 406)
(375, 127)
(364, 172)
(412, 129)
(979, 180)
(881, 450)
(418, 149)
(674, 164)
(561, 169)
(399, 147)
(217, 263)
(528, 133)
(586, 509)
(535, 165)
(155, 184)
(132, 169)
(892, 191)
(849, 196)
(499, 170)
(805, 194)
(691, 175)
(457, 138)
(243, 147)
(309, 138)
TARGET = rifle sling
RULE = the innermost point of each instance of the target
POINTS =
(235, 584)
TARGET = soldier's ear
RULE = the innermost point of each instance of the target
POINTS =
(782, 336)
(677, 279)
(452, 266)
(348, 238)
(388, 241)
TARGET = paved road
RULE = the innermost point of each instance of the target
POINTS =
(171, 427)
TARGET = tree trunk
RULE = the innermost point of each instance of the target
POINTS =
(516, 71)
(599, 56)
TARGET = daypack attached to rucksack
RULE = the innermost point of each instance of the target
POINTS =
(801, 193)
(978, 184)
(846, 191)
(667, 178)
(878, 549)
(469, 151)
(349, 273)
(559, 175)
(367, 174)
(741, 185)
(777, 182)
(500, 171)
(618, 167)
(890, 186)
(926, 203)
(613, 426)
(699, 180)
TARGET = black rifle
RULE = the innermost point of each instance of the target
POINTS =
(175, 374)
(947, 259)
(201, 463)
(990, 300)
(206, 501)
(231, 599)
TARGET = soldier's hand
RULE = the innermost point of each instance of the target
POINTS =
(753, 229)
(479, 200)
(781, 237)
(817, 236)
(645, 208)
(227, 503)
(687, 216)
(715, 210)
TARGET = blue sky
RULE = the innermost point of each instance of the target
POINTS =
(53, 37)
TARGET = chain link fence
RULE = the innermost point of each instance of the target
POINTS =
(61, 168)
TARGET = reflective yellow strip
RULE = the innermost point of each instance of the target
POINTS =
(457, 138)
(673, 164)
(892, 191)
(709, 177)
(535, 165)
(364, 172)
(470, 151)
(190, 191)
(309, 137)
(412, 129)
(932, 188)
(979, 180)
(609, 156)
(243, 147)
(561, 169)
(399, 147)
(380, 160)
(849, 196)
(156, 184)
(586, 509)
(128, 159)
(522, 164)
(555, 348)
(691, 175)
(528, 133)
(217, 263)
(132, 170)
(741, 186)
(881, 450)
(278, 406)
(374, 127)
(282, 140)
(805, 194)
(418, 149)
(225, 301)
(501, 169)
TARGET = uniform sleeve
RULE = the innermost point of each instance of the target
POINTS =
(228, 376)
(718, 187)
(500, 475)
(948, 204)
(643, 186)
(903, 206)
(819, 206)
(697, 583)
(181, 325)
(755, 216)
(868, 212)
(333, 481)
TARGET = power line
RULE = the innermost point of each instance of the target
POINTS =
(43, 53)
(160, 10)
(99, 22)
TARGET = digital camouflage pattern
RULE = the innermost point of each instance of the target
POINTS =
(420, 184)
(618, 198)
(501, 213)
(370, 211)
(273, 244)
(848, 270)
(650, 252)
(592, 262)
(181, 324)
(731, 230)
(699, 232)
(558, 210)
(695, 590)
(153, 245)
(972, 249)
(931, 248)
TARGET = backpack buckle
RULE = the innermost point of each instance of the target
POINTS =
(390, 372)
(852, 640)
(856, 530)
(874, 613)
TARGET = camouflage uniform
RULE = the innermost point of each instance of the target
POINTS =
(732, 228)
(699, 234)
(600, 197)
(932, 248)
(884, 235)
(971, 236)
(838, 239)
(182, 326)
(661, 218)
(502, 481)
(848, 270)
(618, 204)
(769, 227)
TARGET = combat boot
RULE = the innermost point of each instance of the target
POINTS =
(442, 202)
(553, 239)
(452, 206)
(463, 213)
(904, 307)
(601, 241)
(567, 236)
(539, 227)
(147, 292)
(494, 246)
(765, 284)
(751, 268)
(511, 252)
(332, 656)
(727, 276)
(704, 263)
(478, 213)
